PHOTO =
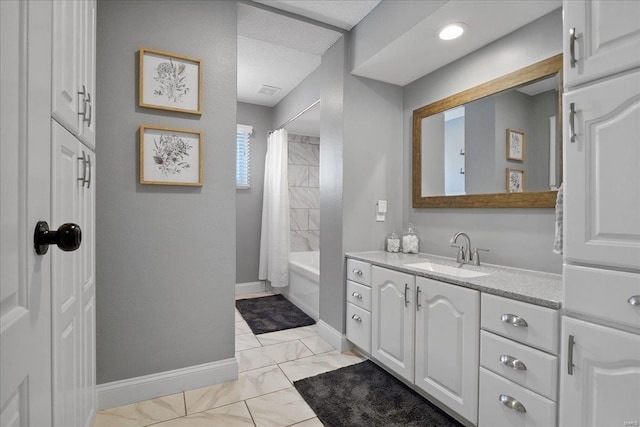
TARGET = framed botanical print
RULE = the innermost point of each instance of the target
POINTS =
(170, 156)
(515, 145)
(169, 81)
(515, 180)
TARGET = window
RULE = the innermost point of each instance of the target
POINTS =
(243, 156)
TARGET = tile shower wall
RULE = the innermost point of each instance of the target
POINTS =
(304, 192)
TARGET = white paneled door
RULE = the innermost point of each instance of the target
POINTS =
(25, 300)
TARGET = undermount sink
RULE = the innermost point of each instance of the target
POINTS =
(444, 269)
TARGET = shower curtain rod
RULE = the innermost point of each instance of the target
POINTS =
(296, 116)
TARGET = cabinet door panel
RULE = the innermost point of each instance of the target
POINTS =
(608, 38)
(393, 320)
(87, 128)
(447, 344)
(604, 387)
(602, 178)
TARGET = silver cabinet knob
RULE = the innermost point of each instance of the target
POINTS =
(356, 318)
(356, 295)
(512, 403)
(513, 363)
(357, 272)
(634, 300)
(514, 320)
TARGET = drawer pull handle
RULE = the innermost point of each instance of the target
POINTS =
(572, 122)
(570, 364)
(356, 295)
(418, 305)
(513, 363)
(634, 300)
(356, 318)
(512, 403)
(406, 300)
(514, 320)
(572, 47)
(357, 272)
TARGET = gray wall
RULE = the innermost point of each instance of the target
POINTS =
(479, 119)
(249, 201)
(513, 111)
(517, 237)
(302, 96)
(543, 106)
(360, 155)
(166, 254)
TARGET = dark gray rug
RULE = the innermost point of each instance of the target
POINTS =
(365, 395)
(272, 313)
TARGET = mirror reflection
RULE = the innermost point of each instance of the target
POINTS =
(503, 143)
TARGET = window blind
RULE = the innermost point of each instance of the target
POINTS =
(243, 156)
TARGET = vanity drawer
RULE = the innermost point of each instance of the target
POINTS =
(359, 271)
(540, 412)
(606, 294)
(530, 324)
(359, 295)
(538, 371)
(359, 327)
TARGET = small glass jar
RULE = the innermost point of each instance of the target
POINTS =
(410, 241)
(393, 242)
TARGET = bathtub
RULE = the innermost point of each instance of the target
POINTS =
(304, 280)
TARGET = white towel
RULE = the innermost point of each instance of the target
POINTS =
(557, 242)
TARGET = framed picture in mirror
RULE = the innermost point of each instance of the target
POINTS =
(515, 145)
(515, 180)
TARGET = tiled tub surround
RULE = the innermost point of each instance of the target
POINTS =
(544, 289)
(304, 192)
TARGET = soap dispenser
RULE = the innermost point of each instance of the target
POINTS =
(410, 241)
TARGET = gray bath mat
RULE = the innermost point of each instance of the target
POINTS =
(272, 313)
(365, 395)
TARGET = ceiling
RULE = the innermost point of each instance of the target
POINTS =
(280, 49)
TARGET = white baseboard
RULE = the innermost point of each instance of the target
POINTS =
(333, 337)
(250, 287)
(147, 387)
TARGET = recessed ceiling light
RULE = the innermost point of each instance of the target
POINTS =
(451, 31)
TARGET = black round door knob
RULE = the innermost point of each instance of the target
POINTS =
(67, 237)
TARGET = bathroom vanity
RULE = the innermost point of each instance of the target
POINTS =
(479, 341)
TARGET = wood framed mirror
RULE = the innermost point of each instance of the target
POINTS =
(464, 144)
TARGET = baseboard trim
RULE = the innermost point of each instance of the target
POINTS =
(250, 287)
(333, 337)
(125, 392)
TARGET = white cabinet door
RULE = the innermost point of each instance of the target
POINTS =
(67, 66)
(25, 166)
(87, 130)
(393, 314)
(447, 344)
(604, 387)
(608, 38)
(602, 177)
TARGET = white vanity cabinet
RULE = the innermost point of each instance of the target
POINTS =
(393, 317)
(359, 304)
(519, 364)
(606, 38)
(73, 70)
(447, 344)
(600, 367)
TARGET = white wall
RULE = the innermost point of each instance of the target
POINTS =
(516, 237)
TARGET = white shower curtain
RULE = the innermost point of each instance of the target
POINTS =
(275, 235)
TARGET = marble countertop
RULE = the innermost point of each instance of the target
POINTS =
(544, 289)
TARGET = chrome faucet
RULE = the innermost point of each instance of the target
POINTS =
(464, 252)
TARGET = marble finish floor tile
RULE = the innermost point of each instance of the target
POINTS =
(286, 335)
(317, 345)
(313, 422)
(234, 415)
(238, 316)
(242, 328)
(318, 364)
(142, 413)
(271, 355)
(246, 342)
(282, 408)
(255, 295)
(249, 384)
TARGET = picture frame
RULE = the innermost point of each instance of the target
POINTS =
(515, 180)
(516, 143)
(168, 81)
(170, 156)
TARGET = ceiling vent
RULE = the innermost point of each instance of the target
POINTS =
(269, 90)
